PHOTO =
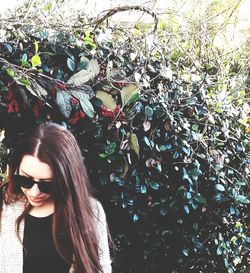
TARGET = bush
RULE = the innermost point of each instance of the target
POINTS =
(165, 141)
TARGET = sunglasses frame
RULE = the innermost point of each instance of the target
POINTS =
(27, 183)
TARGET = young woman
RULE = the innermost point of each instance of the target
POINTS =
(50, 223)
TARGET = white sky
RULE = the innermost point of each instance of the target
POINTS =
(94, 7)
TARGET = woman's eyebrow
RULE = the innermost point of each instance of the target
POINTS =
(43, 179)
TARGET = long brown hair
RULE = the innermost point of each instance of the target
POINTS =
(73, 228)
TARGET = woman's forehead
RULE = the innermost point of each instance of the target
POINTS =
(33, 167)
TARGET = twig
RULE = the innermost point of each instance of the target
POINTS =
(108, 13)
(28, 71)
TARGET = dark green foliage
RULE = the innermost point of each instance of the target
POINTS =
(170, 163)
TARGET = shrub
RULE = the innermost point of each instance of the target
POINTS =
(165, 141)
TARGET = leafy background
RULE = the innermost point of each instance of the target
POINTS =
(161, 114)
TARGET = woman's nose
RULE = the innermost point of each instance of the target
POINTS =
(34, 190)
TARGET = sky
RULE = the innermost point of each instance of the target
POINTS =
(182, 5)
(94, 7)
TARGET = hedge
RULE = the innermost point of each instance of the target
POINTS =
(166, 148)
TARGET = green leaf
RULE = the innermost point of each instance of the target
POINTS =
(238, 225)
(24, 58)
(149, 112)
(10, 72)
(185, 174)
(86, 105)
(24, 82)
(219, 110)
(163, 211)
(195, 127)
(219, 187)
(134, 98)
(87, 39)
(200, 199)
(111, 148)
(186, 150)
(185, 252)
(186, 208)
(243, 199)
(219, 251)
(246, 246)
(176, 154)
(35, 60)
(135, 218)
(143, 189)
(233, 239)
(82, 65)
(181, 190)
(63, 100)
(195, 226)
(48, 7)
(71, 64)
(164, 199)
(147, 141)
(154, 185)
(218, 167)
(103, 155)
(162, 148)
(8, 47)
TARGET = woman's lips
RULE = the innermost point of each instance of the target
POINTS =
(36, 200)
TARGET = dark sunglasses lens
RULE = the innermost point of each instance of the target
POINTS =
(23, 181)
(27, 183)
(45, 187)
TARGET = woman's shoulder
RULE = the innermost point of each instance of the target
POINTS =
(95, 204)
(97, 209)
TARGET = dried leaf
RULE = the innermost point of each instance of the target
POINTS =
(137, 76)
(83, 76)
(85, 89)
(34, 88)
(36, 44)
(114, 74)
(38, 90)
(167, 73)
(133, 142)
(128, 92)
(168, 126)
(125, 168)
(107, 100)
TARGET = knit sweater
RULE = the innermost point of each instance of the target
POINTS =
(11, 249)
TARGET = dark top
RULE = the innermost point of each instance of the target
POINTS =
(40, 255)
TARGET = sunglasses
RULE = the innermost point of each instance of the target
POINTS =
(28, 183)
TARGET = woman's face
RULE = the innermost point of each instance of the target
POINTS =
(38, 171)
